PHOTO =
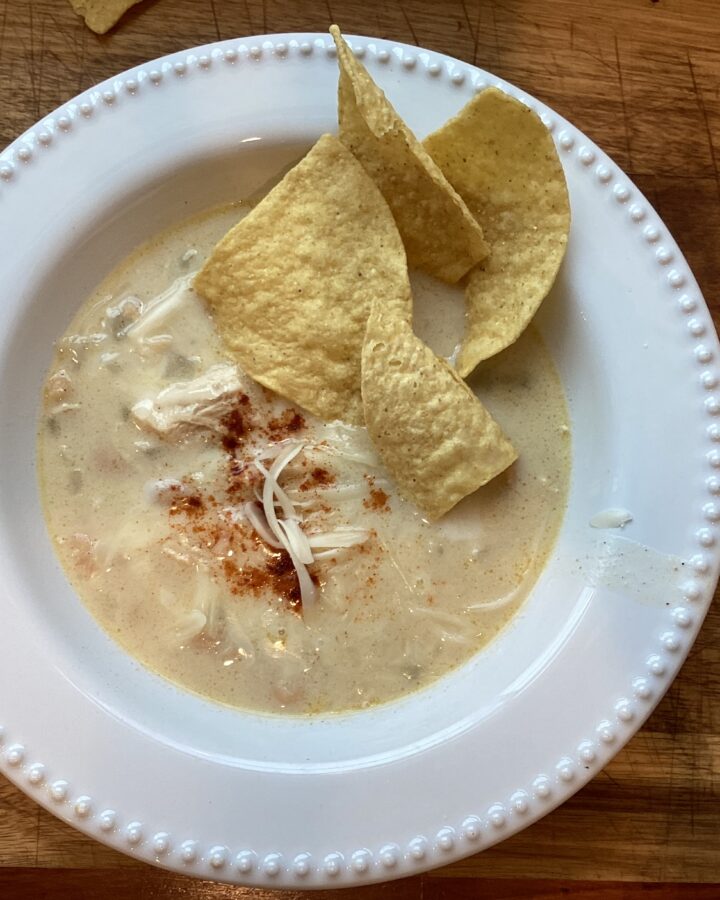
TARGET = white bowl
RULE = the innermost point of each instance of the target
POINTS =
(169, 778)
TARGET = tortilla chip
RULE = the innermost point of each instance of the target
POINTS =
(101, 15)
(440, 235)
(502, 160)
(436, 439)
(292, 284)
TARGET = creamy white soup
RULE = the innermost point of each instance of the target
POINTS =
(155, 453)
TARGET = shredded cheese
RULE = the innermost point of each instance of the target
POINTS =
(278, 520)
(159, 311)
(256, 518)
(343, 537)
(272, 493)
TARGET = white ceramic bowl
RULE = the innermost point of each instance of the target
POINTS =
(158, 773)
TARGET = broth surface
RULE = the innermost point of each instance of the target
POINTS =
(146, 497)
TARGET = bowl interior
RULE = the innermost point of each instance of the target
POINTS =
(609, 469)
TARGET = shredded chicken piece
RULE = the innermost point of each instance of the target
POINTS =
(58, 387)
(121, 317)
(82, 553)
(200, 403)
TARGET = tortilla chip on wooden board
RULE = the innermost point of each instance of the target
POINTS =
(292, 284)
(441, 237)
(101, 15)
(502, 160)
(436, 439)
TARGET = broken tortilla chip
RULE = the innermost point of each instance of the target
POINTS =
(436, 439)
(502, 160)
(292, 284)
(441, 237)
(101, 15)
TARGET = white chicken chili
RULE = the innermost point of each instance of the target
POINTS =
(251, 553)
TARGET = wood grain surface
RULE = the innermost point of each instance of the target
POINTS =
(640, 77)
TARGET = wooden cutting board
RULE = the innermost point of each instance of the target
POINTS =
(642, 79)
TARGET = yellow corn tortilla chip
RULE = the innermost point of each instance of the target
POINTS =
(292, 284)
(101, 15)
(436, 439)
(441, 237)
(502, 160)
